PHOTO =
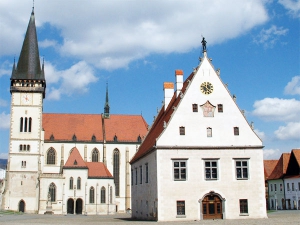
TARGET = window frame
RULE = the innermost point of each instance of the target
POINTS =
(220, 108)
(92, 195)
(182, 130)
(141, 174)
(71, 183)
(244, 209)
(211, 168)
(180, 208)
(241, 167)
(236, 131)
(195, 107)
(52, 192)
(209, 132)
(51, 159)
(78, 183)
(103, 195)
(146, 173)
(182, 176)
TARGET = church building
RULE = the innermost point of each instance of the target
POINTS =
(201, 158)
(65, 163)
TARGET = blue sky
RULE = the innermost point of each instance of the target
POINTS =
(135, 46)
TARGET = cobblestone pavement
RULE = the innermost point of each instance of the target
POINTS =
(290, 217)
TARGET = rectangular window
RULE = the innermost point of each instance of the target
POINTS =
(209, 132)
(182, 130)
(299, 186)
(244, 206)
(179, 168)
(131, 177)
(195, 108)
(135, 176)
(220, 108)
(146, 177)
(288, 186)
(141, 174)
(275, 187)
(293, 188)
(280, 187)
(271, 187)
(180, 208)
(236, 131)
(241, 169)
(211, 169)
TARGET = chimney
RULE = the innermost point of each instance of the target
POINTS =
(169, 91)
(179, 81)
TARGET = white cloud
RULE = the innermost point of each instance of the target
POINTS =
(293, 87)
(6, 68)
(292, 6)
(48, 43)
(4, 121)
(289, 132)
(110, 34)
(3, 103)
(275, 109)
(271, 153)
(76, 79)
(3, 155)
(269, 37)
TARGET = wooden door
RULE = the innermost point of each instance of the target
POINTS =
(212, 207)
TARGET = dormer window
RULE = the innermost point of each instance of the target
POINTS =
(139, 139)
(75, 162)
(51, 137)
(74, 138)
(115, 138)
(93, 138)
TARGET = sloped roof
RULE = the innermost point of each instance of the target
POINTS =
(95, 169)
(127, 128)
(98, 170)
(296, 153)
(281, 167)
(75, 160)
(269, 166)
(294, 163)
(158, 125)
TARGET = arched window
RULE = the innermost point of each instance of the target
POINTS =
(25, 125)
(110, 194)
(92, 195)
(103, 195)
(21, 124)
(116, 171)
(78, 183)
(71, 183)
(29, 124)
(95, 155)
(52, 192)
(51, 156)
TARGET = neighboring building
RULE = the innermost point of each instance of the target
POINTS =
(276, 183)
(201, 159)
(51, 155)
(2, 174)
(269, 166)
(292, 181)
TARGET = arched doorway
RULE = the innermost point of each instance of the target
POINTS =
(212, 206)
(70, 206)
(79, 206)
(21, 206)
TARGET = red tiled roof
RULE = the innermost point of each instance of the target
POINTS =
(75, 160)
(281, 167)
(158, 125)
(95, 169)
(269, 166)
(63, 126)
(98, 170)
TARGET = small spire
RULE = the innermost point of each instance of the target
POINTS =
(106, 105)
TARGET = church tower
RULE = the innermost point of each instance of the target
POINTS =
(27, 89)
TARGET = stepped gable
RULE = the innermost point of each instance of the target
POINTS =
(98, 170)
(63, 126)
(75, 161)
(158, 126)
(269, 166)
(281, 167)
(127, 128)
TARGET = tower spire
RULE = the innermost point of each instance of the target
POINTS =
(106, 105)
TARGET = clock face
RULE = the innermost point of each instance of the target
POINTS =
(206, 88)
(26, 99)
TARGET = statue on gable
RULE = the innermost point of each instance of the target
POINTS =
(203, 44)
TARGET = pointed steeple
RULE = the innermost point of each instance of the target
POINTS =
(28, 70)
(106, 105)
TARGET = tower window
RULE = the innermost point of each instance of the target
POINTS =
(182, 130)
(21, 124)
(236, 131)
(209, 132)
(25, 124)
(195, 108)
(220, 108)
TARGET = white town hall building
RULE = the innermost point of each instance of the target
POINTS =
(65, 163)
(201, 159)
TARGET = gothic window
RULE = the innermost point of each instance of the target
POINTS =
(78, 183)
(71, 183)
(92, 195)
(220, 108)
(25, 125)
(29, 124)
(95, 155)
(28, 147)
(182, 130)
(195, 108)
(21, 147)
(236, 131)
(21, 124)
(110, 194)
(116, 171)
(23, 164)
(51, 155)
(103, 195)
(209, 132)
(52, 192)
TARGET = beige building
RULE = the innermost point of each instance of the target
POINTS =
(65, 163)
(201, 159)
